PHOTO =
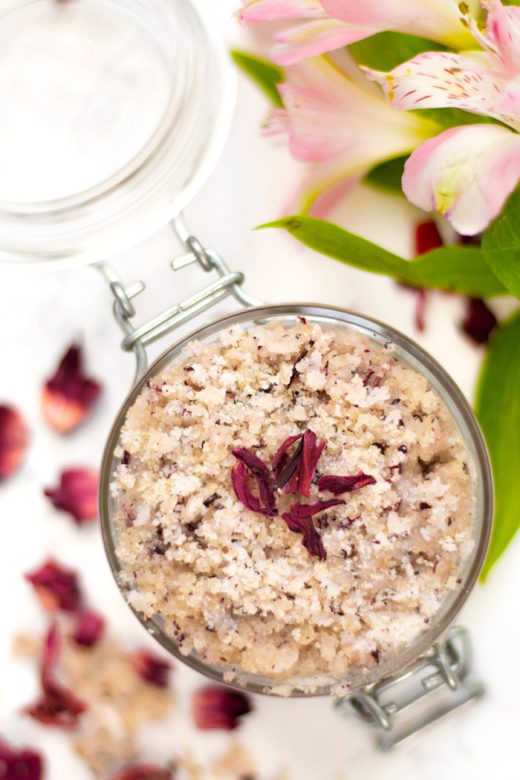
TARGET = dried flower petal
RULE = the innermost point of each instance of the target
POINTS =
(299, 520)
(69, 396)
(19, 764)
(142, 772)
(89, 629)
(76, 494)
(479, 322)
(339, 485)
(57, 706)
(14, 437)
(215, 707)
(151, 668)
(56, 586)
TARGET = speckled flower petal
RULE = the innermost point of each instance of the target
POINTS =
(216, 707)
(56, 587)
(69, 396)
(465, 173)
(76, 494)
(14, 438)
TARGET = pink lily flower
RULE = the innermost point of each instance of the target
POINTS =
(467, 172)
(325, 25)
(338, 122)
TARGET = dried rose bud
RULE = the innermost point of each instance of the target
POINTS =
(338, 485)
(142, 772)
(69, 396)
(479, 322)
(14, 437)
(89, 629)
(215, 707)
(151, 668)
(57, 706)
(76, 494)
(22, 763)
(56, 586)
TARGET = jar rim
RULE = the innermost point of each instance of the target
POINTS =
(466, 423)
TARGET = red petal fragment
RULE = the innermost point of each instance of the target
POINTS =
(339, 485)
(89, 629)
(19, 764)
(427, 237)
(56, 587)
(14, 437)
(262, 475)
(76, 494)
(69, 396)
(57, 706)
(151, 668)
(142, 772)
(215, 707)
(479, 322)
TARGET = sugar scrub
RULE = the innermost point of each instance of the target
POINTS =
(291, 501)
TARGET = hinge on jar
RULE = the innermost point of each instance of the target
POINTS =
(228, 283)
(435, 685)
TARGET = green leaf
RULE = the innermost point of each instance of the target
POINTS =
(498, 410)
(501, 245)
(387, 175)
(386, 50)
(460, 269)
(266, 75)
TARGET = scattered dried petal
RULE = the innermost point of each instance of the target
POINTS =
(56, 586)
(339, 485)
(76, 494)
(215, 707)
(14, 437)
(151, 668)
(479, 322)
(19, 764)
(69, 396)
(89, 629)
(142, 772)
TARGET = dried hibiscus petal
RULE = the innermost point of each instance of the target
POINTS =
(89, 628)
(56, 586)
(76, 494)
(69, 396)
(14, 437)
(299, 519)
(57, 706)
(151, 668)
(142, 772)
(479, 322)
(215, 707)
(339, 485)
(248, 465)
(19, 764)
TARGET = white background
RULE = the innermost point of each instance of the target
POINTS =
(41, 312)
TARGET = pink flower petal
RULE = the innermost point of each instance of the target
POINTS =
(14, 438)
(465, 173)
(19, 763)
(142, 772)
(76, 494)
(56, 587)
(215, 707)
(151, 668)
(69, 396)
(89, 628)
(479, 322)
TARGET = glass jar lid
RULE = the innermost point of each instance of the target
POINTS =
(114, 112)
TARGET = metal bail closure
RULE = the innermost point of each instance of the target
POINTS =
(434, 686)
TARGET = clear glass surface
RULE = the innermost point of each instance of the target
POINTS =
(478, 463)
(113, 114)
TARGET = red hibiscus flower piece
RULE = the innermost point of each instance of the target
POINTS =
(19, 764)
(337, 485)
(89, 629)
(142, 772)
(76, 494)
(69, 396)
(14, 438)
(56, 586)
(479, 321)
(250, 465)
(151, 668)
(215, 707)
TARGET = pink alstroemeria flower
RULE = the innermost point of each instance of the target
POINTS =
(466, 172)
(343, 126)
(325, 25)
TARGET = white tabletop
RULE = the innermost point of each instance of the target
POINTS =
(41, 312)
